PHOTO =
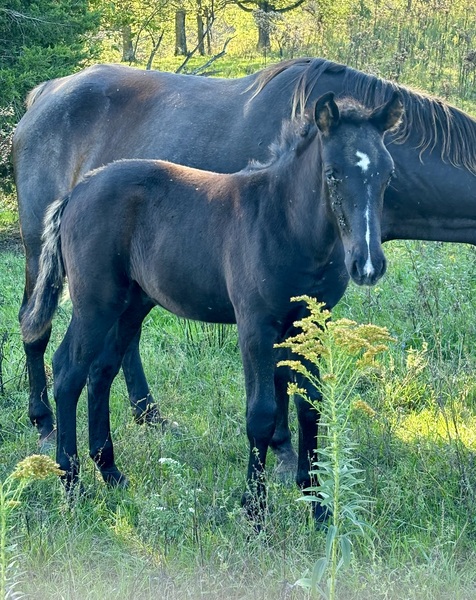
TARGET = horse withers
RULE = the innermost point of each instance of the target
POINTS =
(217, 248)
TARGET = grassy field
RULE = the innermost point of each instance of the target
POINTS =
(178, 532)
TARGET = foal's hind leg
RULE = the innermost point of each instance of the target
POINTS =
(101, 374)
(82, 343)
(145, 409)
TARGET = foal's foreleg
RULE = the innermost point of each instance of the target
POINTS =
(256, 344)
(308, 418)
(101, 375)
(281, 440)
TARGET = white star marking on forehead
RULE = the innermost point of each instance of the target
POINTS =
(364, 161)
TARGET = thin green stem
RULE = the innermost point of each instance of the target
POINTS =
(3, 543)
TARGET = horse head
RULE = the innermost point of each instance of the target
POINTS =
(356, 170)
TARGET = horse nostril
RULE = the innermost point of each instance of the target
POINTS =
(362, 273)
(355, 273)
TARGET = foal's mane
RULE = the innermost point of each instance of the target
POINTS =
(435, 120)
(298, 132)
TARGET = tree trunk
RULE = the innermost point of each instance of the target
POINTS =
(209, 18)
(200, 32)
(128, 54)
(180, 34)
(262, 18)
(264, 42)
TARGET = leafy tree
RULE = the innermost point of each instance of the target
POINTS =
(134, 25)
(38, 41)
(265, 13)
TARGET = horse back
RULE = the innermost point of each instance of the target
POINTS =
(174, 230)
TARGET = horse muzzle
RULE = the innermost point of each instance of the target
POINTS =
(366, 268)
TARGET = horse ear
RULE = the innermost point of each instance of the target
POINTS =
(326, 113)
(390, 114)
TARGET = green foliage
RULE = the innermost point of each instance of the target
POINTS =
(33, 468)
(38, 41)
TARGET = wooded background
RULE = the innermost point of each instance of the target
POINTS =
(426, 43)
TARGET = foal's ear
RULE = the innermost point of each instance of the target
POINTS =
(326, 113)
(390, 114)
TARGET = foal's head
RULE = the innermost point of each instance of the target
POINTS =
(357, 168)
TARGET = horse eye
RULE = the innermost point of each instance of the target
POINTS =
(330, 176)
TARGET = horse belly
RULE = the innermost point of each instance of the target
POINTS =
(189, 292)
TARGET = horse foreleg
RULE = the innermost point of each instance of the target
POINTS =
(281, 440)
(144, 408)
(308, 418)
(256, 344)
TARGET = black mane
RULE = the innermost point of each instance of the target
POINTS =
(298, 132)
(438, 122)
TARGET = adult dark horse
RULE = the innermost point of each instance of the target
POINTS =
(110, 112)
(217, 248)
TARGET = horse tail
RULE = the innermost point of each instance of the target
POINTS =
(44, 301)
(34, 94)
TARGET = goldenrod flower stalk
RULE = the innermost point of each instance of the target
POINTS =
(29, 469)
(342, 351)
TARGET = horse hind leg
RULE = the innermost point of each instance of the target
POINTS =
(101, 375)
(39, 407)
(71, 364)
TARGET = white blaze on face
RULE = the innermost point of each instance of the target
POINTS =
(368, 267)
(364, 161)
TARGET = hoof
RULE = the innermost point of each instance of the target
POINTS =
(285, 472)
(287, 462)
(46, 443)
(149, 416)
(255, 509)
(115, 478)
(322, 516)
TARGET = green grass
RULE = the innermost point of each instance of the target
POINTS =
(179, 531)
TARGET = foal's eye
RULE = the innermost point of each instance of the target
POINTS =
(331, 176)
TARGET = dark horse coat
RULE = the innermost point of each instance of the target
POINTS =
(213, 247)
(109, 112)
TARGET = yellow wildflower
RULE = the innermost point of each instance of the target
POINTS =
(36, 466)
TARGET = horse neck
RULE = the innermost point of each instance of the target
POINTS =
(295, 181)
(430, 199)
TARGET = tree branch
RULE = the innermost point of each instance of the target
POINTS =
(288, 8)
(154, 51)
(212, 59)
(190, 54)
(246, 9)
